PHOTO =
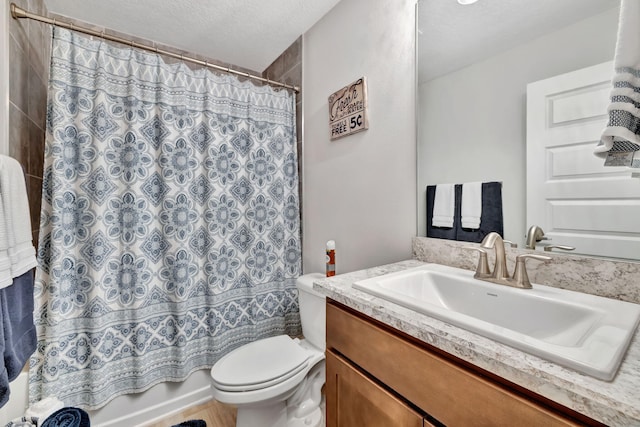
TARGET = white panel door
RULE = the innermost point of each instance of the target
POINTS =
(570, 194)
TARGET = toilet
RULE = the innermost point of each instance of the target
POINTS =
(277, 381)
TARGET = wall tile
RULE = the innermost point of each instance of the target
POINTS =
(34, 193)
(18, 136)
(37, 40)
(276, 69)
(35, 6)
(35, 144)
(37, 98)
(293, 76)
(19, 28)
(293, 57)
(299, 121)
(18, 72)
(29, 70)
(47, 55)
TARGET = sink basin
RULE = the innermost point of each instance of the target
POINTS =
(584, 332)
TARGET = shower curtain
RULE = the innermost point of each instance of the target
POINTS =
(169, 226)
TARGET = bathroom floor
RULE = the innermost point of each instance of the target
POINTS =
(215, 414)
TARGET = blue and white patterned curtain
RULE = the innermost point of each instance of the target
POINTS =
(170, 221)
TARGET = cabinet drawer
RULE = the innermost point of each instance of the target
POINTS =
(355, 400)
(450, 393)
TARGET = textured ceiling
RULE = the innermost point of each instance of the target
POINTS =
(253, 33)
(452, 36)
(248, 33)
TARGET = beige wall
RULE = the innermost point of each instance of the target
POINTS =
(360, 190)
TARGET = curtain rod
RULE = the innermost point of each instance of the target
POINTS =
(19, 13)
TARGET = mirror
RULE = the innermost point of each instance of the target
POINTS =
(474, 63)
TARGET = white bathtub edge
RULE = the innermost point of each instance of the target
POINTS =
(158, 403)
(18, 399)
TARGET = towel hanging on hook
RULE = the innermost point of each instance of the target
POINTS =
(620, 141)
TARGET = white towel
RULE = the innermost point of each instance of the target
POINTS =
(471, 205)
(44, 409)
(17, 216)
(620, 139)
(443, 205)
(6, 278)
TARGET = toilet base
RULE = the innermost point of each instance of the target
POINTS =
(273, 415)
(314, 419)
(276, 416)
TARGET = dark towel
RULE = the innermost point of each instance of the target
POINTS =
(17, 322)
(490, 220)
(17, 333)
(4, 379)
(191, 423)
(67, 417)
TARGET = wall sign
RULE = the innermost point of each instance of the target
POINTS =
(348, 110)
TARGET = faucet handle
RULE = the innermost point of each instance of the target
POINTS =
(563, 247)
(482, 270)
(520, 276)
(510, 243)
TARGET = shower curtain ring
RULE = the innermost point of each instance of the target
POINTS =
(54, 22)
(102, 34)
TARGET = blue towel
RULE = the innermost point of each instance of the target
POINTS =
(191, 423)
(67, 417)
(17, 321)
(4, 378)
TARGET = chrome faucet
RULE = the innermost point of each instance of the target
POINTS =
(494, 240)
(534, 235)
(520, 276)
(500, 274)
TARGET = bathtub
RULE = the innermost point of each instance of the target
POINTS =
(160, 401)
(153, 405)
(18, 399)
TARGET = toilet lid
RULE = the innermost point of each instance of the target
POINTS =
(259, 364)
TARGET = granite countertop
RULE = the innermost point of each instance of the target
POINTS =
(615, 403)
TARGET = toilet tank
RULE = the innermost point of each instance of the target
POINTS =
(312, 310)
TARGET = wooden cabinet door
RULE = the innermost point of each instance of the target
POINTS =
(355, 400)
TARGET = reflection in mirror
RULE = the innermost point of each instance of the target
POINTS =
(474, 64)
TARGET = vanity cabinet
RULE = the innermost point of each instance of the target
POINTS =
(378, 376)
(357, 400)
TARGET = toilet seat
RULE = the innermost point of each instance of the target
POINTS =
(260, 364)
